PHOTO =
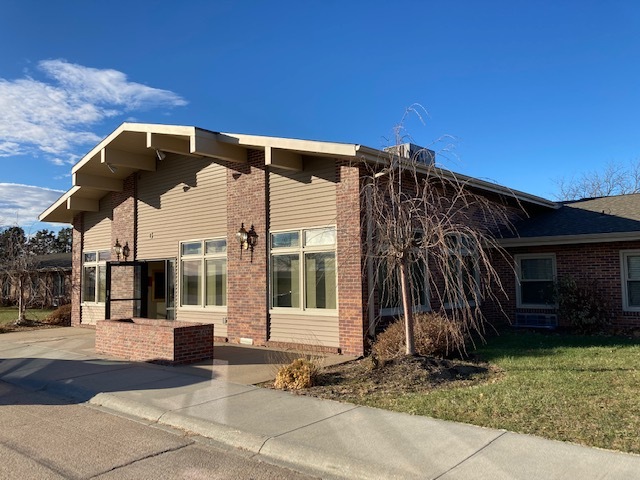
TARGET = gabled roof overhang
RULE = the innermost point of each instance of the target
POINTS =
(135, 147)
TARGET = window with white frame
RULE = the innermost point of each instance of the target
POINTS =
(94, 275)
(462, 278)
(536, 280)
(303, 269)
(631, 280)
(203, 267)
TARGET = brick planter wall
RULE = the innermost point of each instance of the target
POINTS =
(158, 341)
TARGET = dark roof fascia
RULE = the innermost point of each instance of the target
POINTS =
(570, 239)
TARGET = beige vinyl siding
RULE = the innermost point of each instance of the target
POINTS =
(303, 199)
(185, 198)
(91, 313)
(205, 316)
(97, 227)
(304, 328)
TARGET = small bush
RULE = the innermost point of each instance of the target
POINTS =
(299, 374)
(434, 334)
(60, 316)
(581, 304)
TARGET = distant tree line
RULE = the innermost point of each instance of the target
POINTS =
(13, 241)
(613, 178)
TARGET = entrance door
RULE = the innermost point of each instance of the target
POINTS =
(126, 292)
(161, 289)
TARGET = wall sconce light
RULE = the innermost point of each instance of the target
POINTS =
(248, 239)
(252, 238)
(242, 237)
(117, 249)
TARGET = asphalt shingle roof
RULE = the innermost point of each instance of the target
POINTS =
(617, 214)
(54, 261)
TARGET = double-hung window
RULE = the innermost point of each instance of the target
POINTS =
(203, 267)
(94, 275)
(462, 277)
(303, 269)
(536, 279)
(631, 280)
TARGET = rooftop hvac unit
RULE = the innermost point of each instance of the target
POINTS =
(413, 151)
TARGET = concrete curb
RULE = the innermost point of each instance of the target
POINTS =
(127, 407)
(215, 431)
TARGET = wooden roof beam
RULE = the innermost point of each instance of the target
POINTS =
(284, 159)
(83, 204)
(120, 158)
(98, 182)
(168, 143)
(207, 146)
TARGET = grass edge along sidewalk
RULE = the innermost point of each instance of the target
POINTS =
(582, 389)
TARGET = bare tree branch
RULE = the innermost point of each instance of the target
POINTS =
(614, 179)
(421, 214)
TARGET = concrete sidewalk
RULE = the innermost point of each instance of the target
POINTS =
(320, 437)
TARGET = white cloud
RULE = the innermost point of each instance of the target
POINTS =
(21, 204)
(56, 116)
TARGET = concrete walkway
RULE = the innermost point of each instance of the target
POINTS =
(320, 437)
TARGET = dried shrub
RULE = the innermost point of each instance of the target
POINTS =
(581, 303)
(299, 374)
(435, 335)
(60, 316)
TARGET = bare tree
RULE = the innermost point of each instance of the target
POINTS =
(420, 214)
(614, 179)
(18, 266)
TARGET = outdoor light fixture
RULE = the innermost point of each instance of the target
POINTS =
(160, 154)
(117, 249)
(243, 237)
(248, 240)
(252, 238)
(126, 251)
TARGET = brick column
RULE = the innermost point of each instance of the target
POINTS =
(123, 226)
(247, 282)
(76, 272)
(123, 229)
(351, 282)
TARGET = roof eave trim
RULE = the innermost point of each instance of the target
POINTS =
(570, 239)
(61, 203)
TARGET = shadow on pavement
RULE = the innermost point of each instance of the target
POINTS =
(79, 380)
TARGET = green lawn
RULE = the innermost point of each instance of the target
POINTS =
(8, 315)
(572, 388)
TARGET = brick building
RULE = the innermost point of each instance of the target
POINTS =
(262, 237)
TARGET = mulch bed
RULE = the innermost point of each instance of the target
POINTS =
(408, 374)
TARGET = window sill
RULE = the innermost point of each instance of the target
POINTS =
(310, 312)
(197, 308)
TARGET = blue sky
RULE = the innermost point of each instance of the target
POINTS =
(528, 92)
